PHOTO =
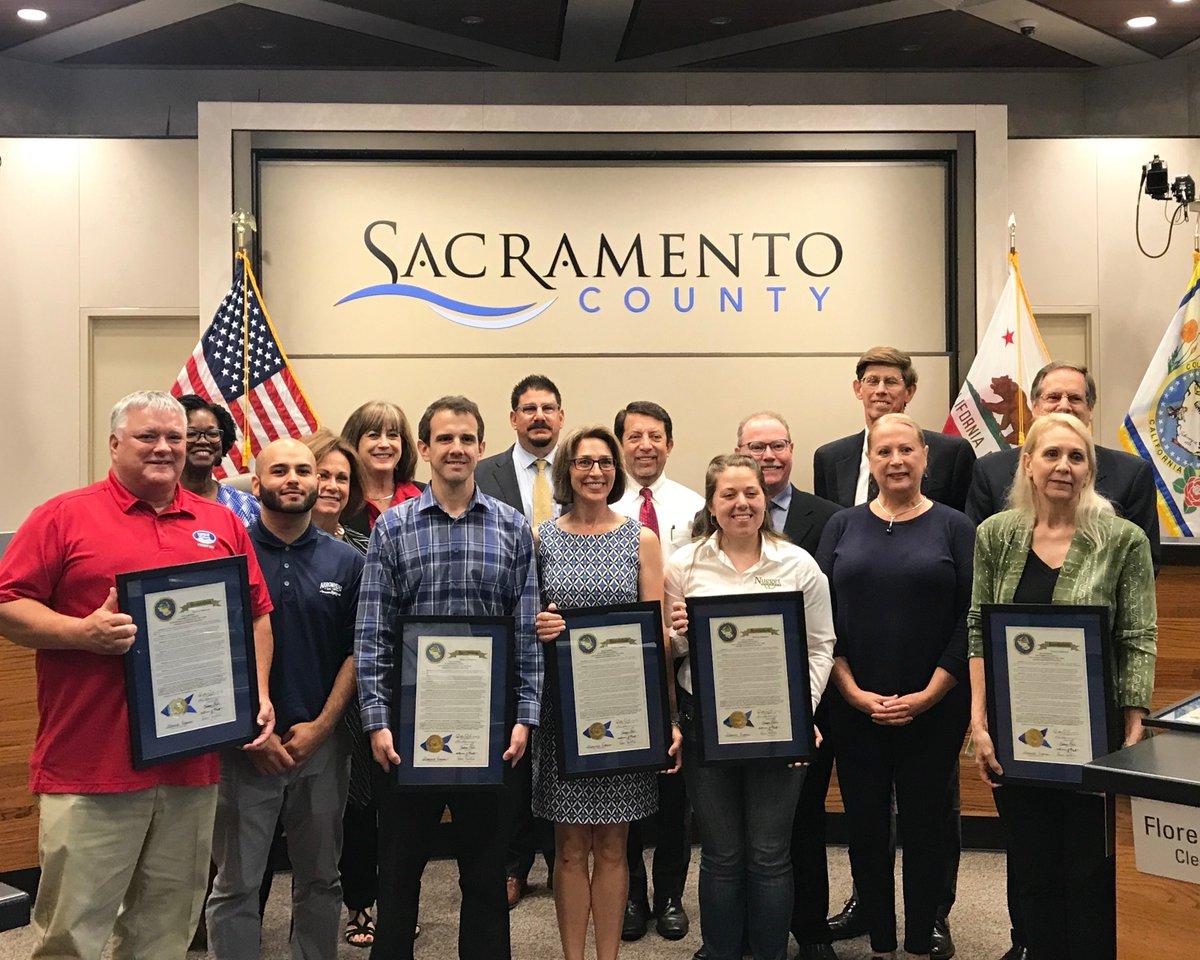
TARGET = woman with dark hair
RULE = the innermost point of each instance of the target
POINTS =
(210, 436)
(745, 813)
(591, 556)
(379, 433)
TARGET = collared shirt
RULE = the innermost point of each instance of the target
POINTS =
(779, 506)
(862, 488)
(675, 505)
(314, 584)
(423, 561)
(66, 555)
(243, 504)
(702, 569)
(523, 463)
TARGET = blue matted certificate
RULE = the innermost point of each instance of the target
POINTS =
(452, 700)
(1049, 691)
(750, 679)
(608, 674)
(190, 676)
(1182, 715)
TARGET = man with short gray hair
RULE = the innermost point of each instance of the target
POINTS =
(123, 852)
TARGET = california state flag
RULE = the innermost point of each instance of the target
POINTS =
(992, 409)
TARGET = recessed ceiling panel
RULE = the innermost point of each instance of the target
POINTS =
(658, 25)
(528, 26)
(60, 13)
(945, 40)
(1178, 23)
(243, 36)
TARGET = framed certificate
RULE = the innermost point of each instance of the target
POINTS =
(750, 683)
(452, 707)
(190, 676)
(1183, 715)
(608, 672)
(1049, 691)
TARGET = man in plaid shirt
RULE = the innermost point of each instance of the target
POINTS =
(453, 550)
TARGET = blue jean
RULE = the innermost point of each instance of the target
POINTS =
(745, 816)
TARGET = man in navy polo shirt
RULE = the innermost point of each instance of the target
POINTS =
(303, 768)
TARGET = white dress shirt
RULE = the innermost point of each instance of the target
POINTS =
(864, 476)
(523, 461)
(675, 505)
(702, 569)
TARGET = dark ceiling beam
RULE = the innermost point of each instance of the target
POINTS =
(131, 21)
(1062, 33)
(592, 33)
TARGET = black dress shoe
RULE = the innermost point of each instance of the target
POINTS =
(672, 920)
(816, 951)
(941, 944)
(637, 917)
(700, 954)
(1016, 953)
(850, 922)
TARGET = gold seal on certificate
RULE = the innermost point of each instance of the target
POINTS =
(452, 715)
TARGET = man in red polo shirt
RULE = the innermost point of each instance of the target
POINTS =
(123, 852)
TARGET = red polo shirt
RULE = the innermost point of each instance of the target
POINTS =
(66, 555)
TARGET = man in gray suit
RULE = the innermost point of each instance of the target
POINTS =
(521, 477)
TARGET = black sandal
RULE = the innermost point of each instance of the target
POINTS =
(363, 929)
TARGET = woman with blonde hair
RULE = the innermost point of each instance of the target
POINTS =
(1061, 542)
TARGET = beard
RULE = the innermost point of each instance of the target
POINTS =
(272, 501)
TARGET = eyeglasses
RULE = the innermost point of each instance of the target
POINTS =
(214, 435)
(533, 409)
(890, 382)
(586, 463)
(759, 447)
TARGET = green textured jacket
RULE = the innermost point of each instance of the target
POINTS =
(1119, 576)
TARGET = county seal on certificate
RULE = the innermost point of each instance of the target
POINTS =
(608, 676)
(750, 677)
(1048, 677)
(450, 706)
(190, 674)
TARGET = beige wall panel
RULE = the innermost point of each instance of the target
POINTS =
(706, 396)
(138, 231)
(39, 306)
(888, 217)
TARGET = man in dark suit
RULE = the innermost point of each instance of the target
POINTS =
(521, 477)
(885, 382)
(1124, 479)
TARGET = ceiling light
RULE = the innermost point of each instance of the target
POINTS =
(910, 48)
(721, 21)
(1181, 1)
(1141, 23)
(32, 15)
(471, 20)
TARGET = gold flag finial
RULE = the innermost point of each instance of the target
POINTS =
(1012, 233)
(243, 220)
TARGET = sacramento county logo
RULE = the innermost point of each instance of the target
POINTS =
(1024, 643)
(164, 609)
(1175, 431)
(727, 632)
(435, 653)
(587, 643)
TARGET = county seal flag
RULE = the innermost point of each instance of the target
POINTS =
(992, 408)
(1163, 423)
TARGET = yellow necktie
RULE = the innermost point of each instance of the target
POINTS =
(543, 509)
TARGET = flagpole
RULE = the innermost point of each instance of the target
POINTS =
(242, 221)
(1017, 298)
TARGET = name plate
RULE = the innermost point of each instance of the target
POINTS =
(1166, 839)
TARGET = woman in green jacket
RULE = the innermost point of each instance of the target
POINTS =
(1061, 542)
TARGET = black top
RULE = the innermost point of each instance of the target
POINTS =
(313, 583)
(1037, 581)
(900, 599)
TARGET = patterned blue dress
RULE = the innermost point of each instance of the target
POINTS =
(586, 570)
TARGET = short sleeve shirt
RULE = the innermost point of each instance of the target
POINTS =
(66, 555)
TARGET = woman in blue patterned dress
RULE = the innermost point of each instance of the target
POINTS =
(591, 556)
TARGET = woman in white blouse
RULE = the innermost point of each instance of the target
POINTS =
(745, 812)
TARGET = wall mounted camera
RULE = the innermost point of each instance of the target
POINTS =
(1157, 184)
(1027, 27)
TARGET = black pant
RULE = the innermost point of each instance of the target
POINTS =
(1065, 879)
(528, 834)
(810, 868)
(672, 850)
(408, 821)
(359, 865)
(951, 841)
(917, 761)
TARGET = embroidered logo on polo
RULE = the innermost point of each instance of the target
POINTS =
(331, 588)
(205, 538)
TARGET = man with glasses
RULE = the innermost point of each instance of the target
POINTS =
(123, 852)
(521, 476)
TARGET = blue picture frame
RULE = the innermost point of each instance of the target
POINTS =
(144, 594)
(646, 620)
(1182, 715)
(1105, 722)
(789, 606)
(413, 633)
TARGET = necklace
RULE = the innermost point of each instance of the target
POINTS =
(893, 517)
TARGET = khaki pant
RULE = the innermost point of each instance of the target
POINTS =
(130, 865)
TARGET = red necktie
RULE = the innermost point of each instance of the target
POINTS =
(646, 515)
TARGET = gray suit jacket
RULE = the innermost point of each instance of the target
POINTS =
(497, 477)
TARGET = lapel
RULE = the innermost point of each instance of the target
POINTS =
(506, 479)
(799, 520)
(1103, 463)
(847, 468)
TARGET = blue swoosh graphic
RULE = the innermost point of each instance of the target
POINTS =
(420, 293)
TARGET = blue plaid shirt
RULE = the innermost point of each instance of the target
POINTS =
(423, 561)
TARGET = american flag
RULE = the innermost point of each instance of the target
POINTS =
(278, 407)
